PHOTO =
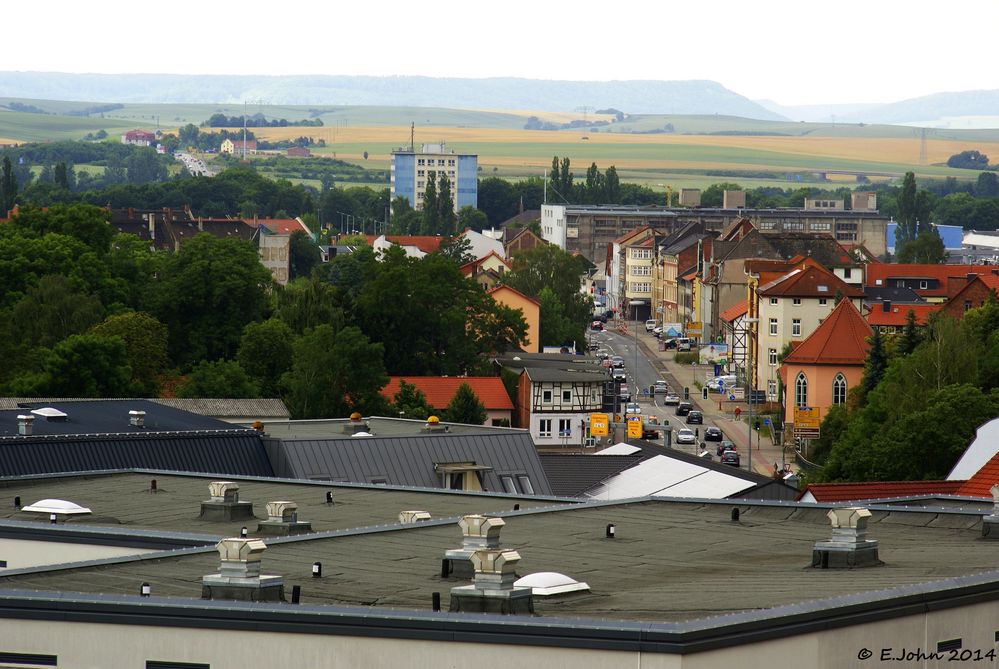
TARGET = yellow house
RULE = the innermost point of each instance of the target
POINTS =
(528, 306)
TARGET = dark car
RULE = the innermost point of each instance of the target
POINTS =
(649, 433)
(683, 408)
(712, 434)
(730, 458)
(724, 447)
(695, 417)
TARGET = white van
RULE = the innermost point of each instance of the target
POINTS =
(650, 324)
(722, 382)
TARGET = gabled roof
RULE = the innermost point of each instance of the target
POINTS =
(426, 243)
(980, 485)
(841, 339)
(439, 390)
(468, 268)
(283, 226)
(504, 287)
(990, 281)
(510, 225)
(878, 274)
(809, 281)
(629, 235)
(732, 313)
(898, 314)
(846, 492)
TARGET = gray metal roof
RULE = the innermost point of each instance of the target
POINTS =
(105, 416)
(553, 374)
(379, 426)
(409, 460)
(257, 408)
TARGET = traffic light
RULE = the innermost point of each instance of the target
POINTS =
(704, 392)
(686, 393)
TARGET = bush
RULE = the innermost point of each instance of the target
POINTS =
(685, 358)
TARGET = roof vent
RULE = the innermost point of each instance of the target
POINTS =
(849, 547)
(137, 418)
(58, 508)
(239, 574)
(434, 425)
(355, 424)
(25, 425)
(409, 517)
(478, 532)
(282, 520)
(224, 504)
(990, 523)
(493, 589)
(50, 414)
(549, 583)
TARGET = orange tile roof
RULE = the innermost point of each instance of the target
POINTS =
(879, 274)
(899, 312)
(283, 226)
(732, 313)
(844, 492)
(440, 389)
(628, 235)
(980, 485)
(841, 339)
(806, 281)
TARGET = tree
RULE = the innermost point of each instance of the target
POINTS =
(307, 302)
(85, 365)
(52, 310)
(876, 363)
(555, 328)
(906, 230)
(445, 207)
(970, 160)
(334, 373)
(218, 379)
(498, 200)
(144, 166)
(145, 340)
(926, 248)
(303, 254)
(8, 187)
(410, 402)
(471, 218)
(431, 208)
(911, 335)
(987, 185)
(207, 293)
(465, 407)
(548, 265)
(713, 195)
(61, 176)
(265, 353)
(612, 185)
(457, 249)
(834, 426)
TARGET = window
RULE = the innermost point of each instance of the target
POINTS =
(839, 390)
(161, 664)
(771, 390)
(545, 428)
(420, 184)
(772, 357)
(967, 305)
(773, 300)
(773, 327)
(546, 397)
(801, 391)
(796, 301)
(450, 162)
(923, 285)
(823, 301)
(564, 428)
(525, 484)
(847, 272)
(508, 484)
(796, 327)
(566, 396)
(440, 162)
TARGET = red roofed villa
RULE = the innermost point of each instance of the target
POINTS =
(439, 390)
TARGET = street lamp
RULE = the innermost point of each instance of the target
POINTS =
(634, 314)
(749, 383)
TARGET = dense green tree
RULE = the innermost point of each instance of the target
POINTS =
(265, 354)
(549, 266)
(926, 248)
(971, 160)
(713, 195)
(145, 340)
(465, 407)
(612, 186)
(61, 176)
(457, 249)
(431, 207)
(303, 254)
(8, 186)
(447, 220)
(498, 200)
(307, 302)
(218, 379)
(52, 310)
(594, 190)
(555, 328)
(84, 365)
(907, 214)
(834, 425)
(912, 335)
(86, 223)
(207, 293)
(410, 402)
(145, 166)
(470, 217)
(876, 363)
(987, 185)
(335, 373)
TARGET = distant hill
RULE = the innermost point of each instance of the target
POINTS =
(937, 110)
(818, 113)
(633, 97)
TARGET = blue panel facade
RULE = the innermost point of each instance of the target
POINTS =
(405, 177)
(468, 181)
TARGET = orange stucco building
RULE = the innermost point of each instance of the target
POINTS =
(530, 307)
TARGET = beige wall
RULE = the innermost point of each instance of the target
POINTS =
(86, 645)
(274, 255)
(532, 315)
(21, 553)
(820, 385)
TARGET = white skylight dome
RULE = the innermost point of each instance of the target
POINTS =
(50, 413)
(361, 434)
(57, 506)
(548, 583)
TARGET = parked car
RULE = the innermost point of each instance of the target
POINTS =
(683, 408)
(617, 361)
(695, 417)
(730, 458)
(683, 345)
(724, 447)
(671, 399)
(649, 324)
(686, 436)
(712, 434)
(671, 344)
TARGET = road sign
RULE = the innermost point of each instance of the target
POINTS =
(635, 427)
(731, 397)
(807, 418)
(599, 424)
(805, 433)
(766, 421)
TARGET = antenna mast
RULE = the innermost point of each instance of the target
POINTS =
(412, 137)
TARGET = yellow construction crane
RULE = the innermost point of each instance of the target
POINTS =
(669, 195)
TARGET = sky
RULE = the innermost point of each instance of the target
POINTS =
(794, 52)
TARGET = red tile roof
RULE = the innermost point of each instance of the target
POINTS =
(841, 339)
(732, 313)
(426, 243)
(283, 226)
(628, 235)
(877, 316)
(440, 389)
(808, 281)
(845, 492)
(879, 274)
(980, 485)
(468, 268)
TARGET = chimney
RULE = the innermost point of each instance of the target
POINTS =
(239, 574)
(282, 520)
(25, 423)
(409, 517)
(849, 547)
(137, 418)
(886, 306)
(224, 504)
(478, 532)
(990, 523)
(131, 213)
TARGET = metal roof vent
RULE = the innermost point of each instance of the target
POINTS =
(224, 503)
(409, 517)
(478, 532)
(849, 547)
(434, 425)
(137, 418)
(550, 583)
(59, 508)
(25, 425)
(282, 520)
(493, 571)
(990, 523)
(239, 574)
(355, 424)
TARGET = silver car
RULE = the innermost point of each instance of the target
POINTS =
(686, 436)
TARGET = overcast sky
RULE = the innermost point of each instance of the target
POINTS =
(790, 51)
